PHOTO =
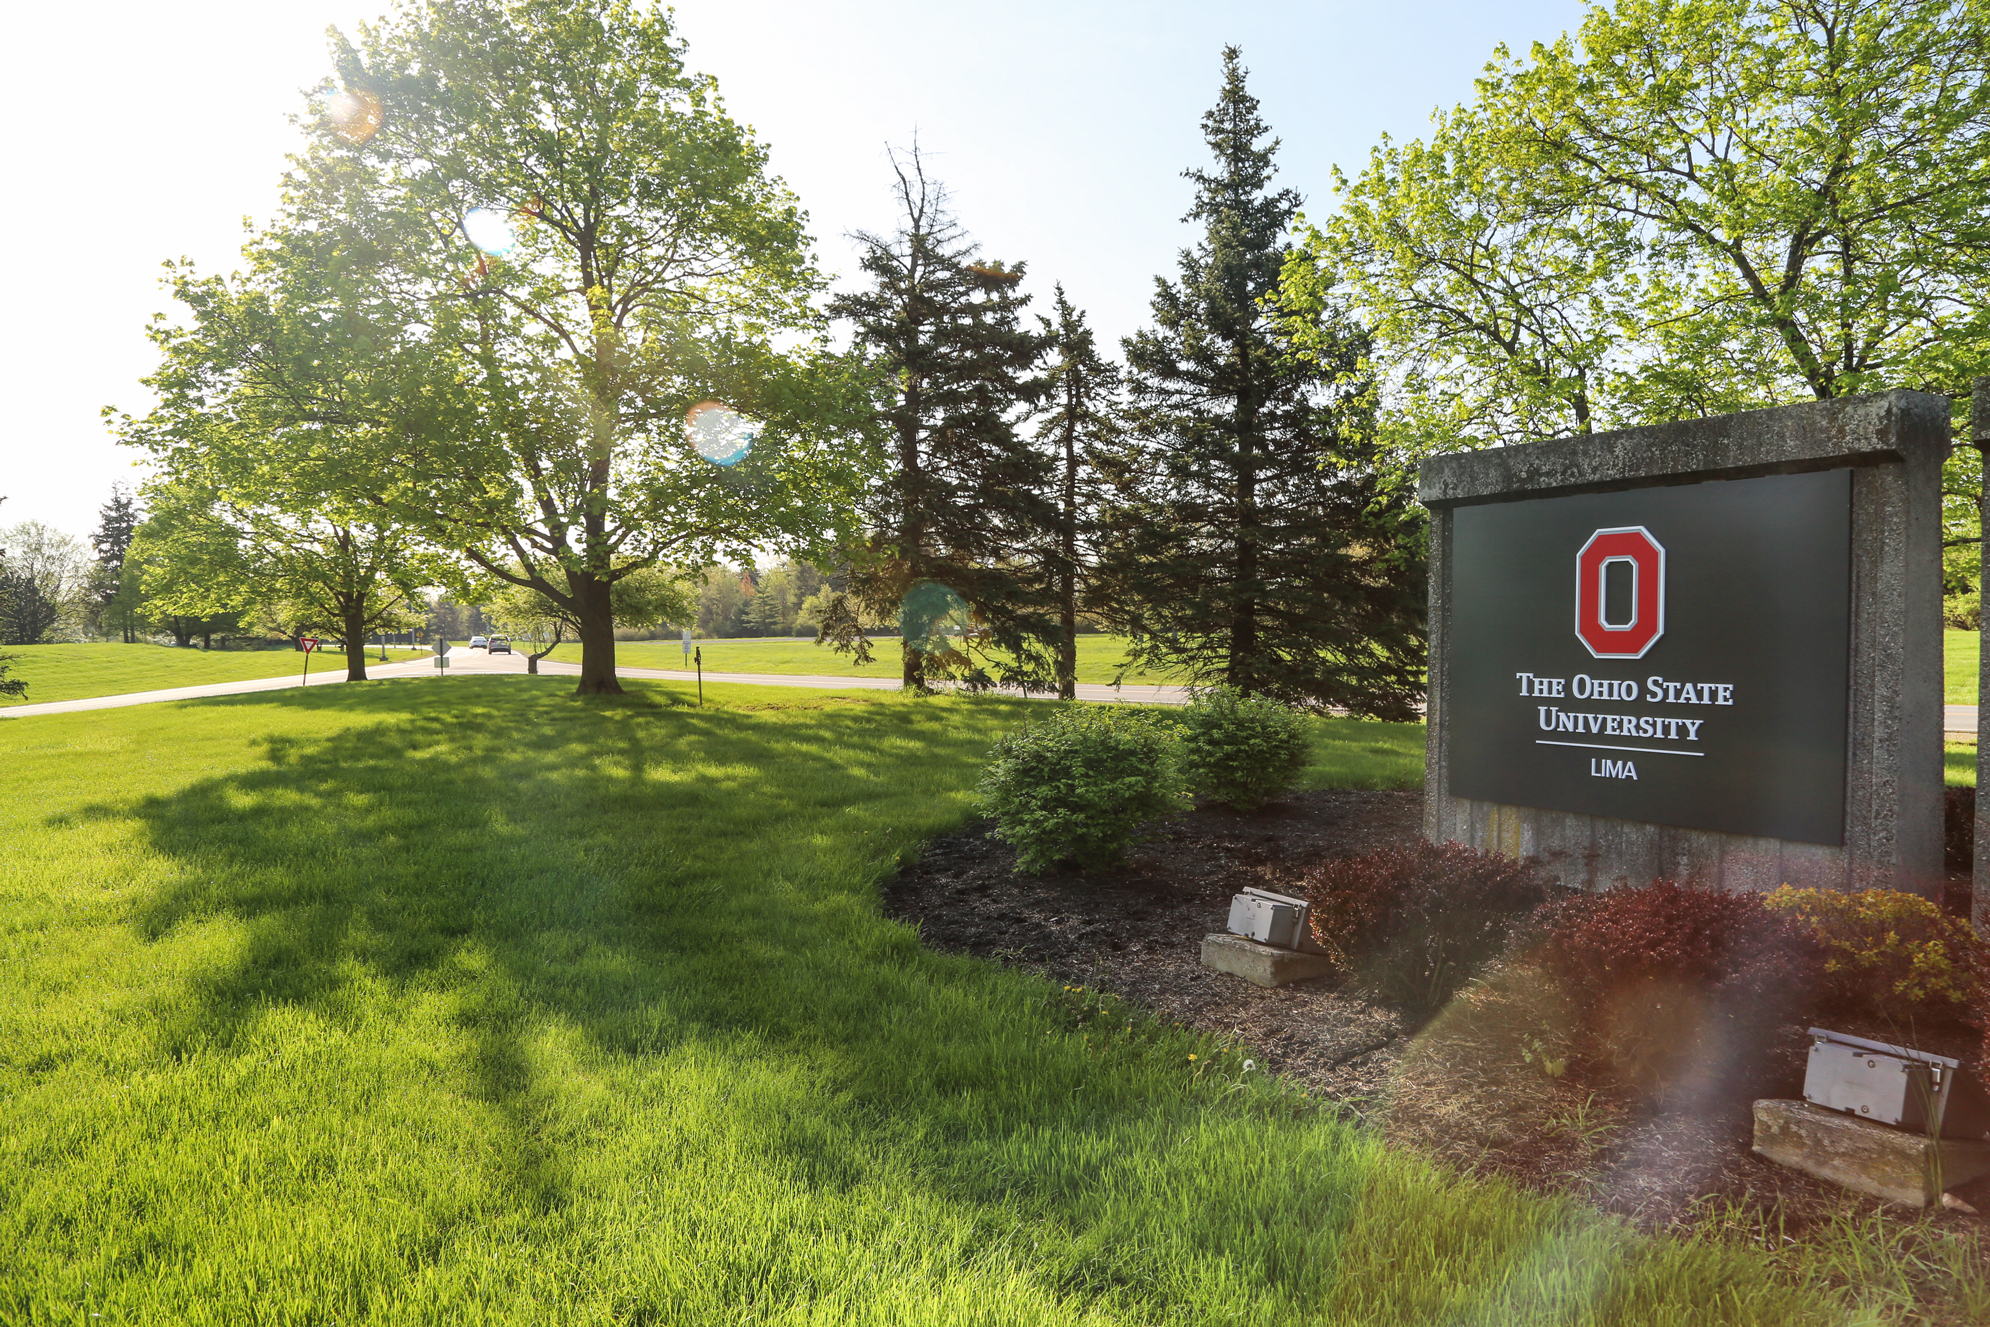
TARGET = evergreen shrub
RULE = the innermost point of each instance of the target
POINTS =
(1076, 787)
(1242, 750)
(1414, 922)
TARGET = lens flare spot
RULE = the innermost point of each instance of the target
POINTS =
(490, 230)
(934, 620)
(355, 115)
(720, 434)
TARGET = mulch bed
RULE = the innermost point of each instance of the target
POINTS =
(1136, 932)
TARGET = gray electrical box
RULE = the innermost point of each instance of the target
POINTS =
(1896, 1085)
(1272, 919)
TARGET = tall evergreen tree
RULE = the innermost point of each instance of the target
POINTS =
(111, 600)
(965, 497)
(1252, 541)
(1078, 423)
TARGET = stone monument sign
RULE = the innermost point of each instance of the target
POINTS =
(1708, 650)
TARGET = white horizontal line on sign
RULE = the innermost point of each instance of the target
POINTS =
(1598, 746)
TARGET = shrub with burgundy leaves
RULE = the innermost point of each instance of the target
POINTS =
(1412, 923)
(1724, 941)
(1674, 981)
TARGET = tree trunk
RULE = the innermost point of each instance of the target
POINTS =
(1244, 608)
(355, 643)
(597, 637)
(532, 660)
(1067, 645)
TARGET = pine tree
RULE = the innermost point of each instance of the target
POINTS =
(1252, 543)
(964, 500)
(1083, 390)
(117, 522)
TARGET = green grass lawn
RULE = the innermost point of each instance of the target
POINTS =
(484, 1004)
(72, 672)
(1098, 657)
(1959, 657)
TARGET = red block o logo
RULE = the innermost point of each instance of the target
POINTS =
(1620, 640)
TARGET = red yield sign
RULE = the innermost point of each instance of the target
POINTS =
(1639, 619)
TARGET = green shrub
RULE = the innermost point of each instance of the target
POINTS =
(1243, 750)
(1077, 786)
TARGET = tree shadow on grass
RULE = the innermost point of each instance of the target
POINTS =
(523, 854)
(655, 878)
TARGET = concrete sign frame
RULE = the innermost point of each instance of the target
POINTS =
(1979, 429)
(1893, 445)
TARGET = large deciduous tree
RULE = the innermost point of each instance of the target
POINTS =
(554, 241)
(964, 501)
(286, 549)
(610, 250)
(43, 575)
(1699, 206)
(1252, 543)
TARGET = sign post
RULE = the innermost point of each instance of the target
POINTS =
(1708, 650)
(308, 643)
(441, 655)
(687, 644)
(700, 655)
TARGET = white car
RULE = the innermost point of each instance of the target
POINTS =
(478, 642)
(499, 645)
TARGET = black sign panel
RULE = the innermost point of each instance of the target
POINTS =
(1672, 655)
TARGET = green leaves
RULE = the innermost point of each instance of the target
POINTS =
(1707, 205)
(521, 244)
(1077, 786)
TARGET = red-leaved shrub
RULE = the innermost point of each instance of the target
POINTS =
(1668, 975)
(1725, 941)
(1413, 922)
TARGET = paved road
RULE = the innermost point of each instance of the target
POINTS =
(1959, 720)
(330, 677)
(476, 661)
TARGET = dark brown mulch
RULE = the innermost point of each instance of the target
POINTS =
(1137, 932)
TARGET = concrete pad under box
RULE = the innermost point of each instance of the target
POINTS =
(1259, 964)
(1894, 1164)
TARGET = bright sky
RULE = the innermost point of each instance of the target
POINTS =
(1061, 128)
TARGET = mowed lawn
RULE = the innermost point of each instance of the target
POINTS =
(72, 672)
(482, 1004)
(1098, 657)
(1960, 651)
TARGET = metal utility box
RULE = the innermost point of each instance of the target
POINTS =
(1897, 1085)
(1272, 919)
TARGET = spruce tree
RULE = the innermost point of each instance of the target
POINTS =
(1251, 541)
(964, 501)
(117, 522)
(1078, 423)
